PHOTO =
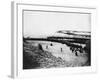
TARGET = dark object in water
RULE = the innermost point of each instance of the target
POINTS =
(51, 44)
(40, 47)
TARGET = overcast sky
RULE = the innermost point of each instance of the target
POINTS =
(38, 23)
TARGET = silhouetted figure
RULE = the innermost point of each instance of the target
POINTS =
(61, 49)
(76, 53)
(72, 49)
(47, 47)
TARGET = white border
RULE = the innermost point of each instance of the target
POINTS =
(17, 55)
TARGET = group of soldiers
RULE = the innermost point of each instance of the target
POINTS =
(76, 50)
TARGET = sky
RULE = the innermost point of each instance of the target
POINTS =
(39, 23)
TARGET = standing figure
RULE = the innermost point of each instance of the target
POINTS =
(76, 53)
(61, 50)
(47, 47)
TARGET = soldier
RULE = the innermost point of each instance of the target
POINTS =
(61, 50)
(47, 47)
(76, 53)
